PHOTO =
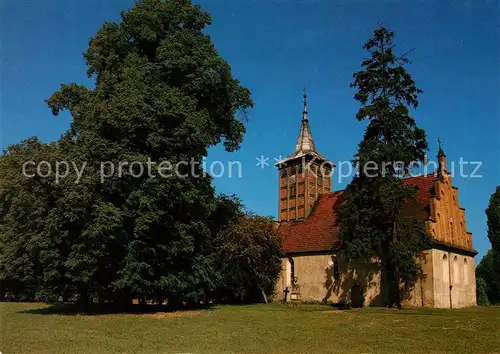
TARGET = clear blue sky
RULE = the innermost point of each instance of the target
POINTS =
(275, 48)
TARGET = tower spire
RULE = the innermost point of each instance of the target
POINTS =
(305, 140)
(304, 110)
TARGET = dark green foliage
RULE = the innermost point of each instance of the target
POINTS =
(481, 292)
(489, 267)
(493, 215)
(249, 257)
(373, 223)
(25, 203)
(162, 94)
(488, 271)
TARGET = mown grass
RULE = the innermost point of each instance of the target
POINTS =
(273, 328)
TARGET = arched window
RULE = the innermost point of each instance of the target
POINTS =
(446, 271)
(466, 272)
(321, 173)
(292, 270)
(456, 271)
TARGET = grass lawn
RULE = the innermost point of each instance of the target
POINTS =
(273, 328)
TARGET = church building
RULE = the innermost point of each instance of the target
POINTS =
(312, 269)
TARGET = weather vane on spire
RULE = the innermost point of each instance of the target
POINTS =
(304, 111)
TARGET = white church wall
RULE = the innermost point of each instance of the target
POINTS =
(457, 270)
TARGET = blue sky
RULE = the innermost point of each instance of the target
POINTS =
(275, 48)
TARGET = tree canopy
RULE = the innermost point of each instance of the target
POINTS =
(489, 267)
(373, 224)
(117, 231)
(249, 256)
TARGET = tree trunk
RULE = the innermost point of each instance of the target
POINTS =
(83, 298)
(397, 290)
(264, 295)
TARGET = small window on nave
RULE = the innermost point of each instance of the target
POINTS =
(456, 271)
(466, 272)
(446, 270)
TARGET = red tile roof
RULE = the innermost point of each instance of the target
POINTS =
(319, 231)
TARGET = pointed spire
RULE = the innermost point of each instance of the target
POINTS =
(305, 140)
(440, 151)
(442, 165)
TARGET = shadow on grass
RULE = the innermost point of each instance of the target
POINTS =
(107, 309)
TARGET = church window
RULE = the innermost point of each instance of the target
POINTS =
(292, 270)
(456, 271)
(320, 179)
(293, 191)
(446, 270)
(466, 272)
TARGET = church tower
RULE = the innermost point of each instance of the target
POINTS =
(303, 176)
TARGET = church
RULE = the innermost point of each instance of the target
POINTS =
(313, 271)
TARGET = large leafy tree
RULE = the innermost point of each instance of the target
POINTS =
(25, 203)
(373, 222)
(487, 271)
(249, 258)
(162, 94)
(482, 292)
(489, 267)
